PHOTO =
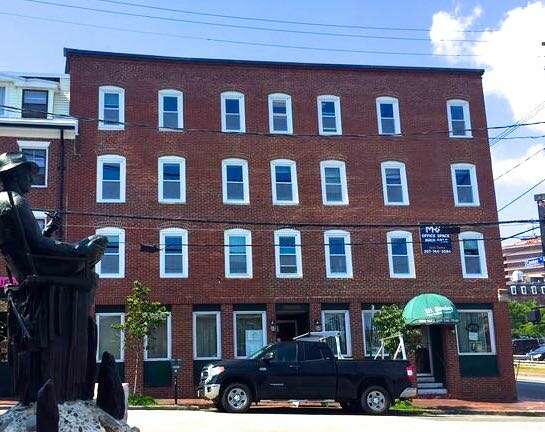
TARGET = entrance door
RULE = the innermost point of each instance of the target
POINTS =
(424, 363)
(287, 330)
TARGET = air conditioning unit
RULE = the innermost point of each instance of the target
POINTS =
(517, 276)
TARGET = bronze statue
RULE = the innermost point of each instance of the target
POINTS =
(52, 335)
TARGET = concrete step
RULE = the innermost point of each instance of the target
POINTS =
(432, 392)
(430, 385)
(425, 379)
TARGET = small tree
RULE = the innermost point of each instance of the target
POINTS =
(520, 327)
(389, 322)
(142, 317)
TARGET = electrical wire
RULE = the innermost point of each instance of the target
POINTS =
(519, 164)
(521, 195)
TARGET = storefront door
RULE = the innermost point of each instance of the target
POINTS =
(287, 330)
(424, 363)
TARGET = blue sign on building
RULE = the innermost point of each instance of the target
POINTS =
(534, 262)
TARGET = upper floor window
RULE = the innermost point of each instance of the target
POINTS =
(464, 185)
(388, 116)
(158, 345)
(37, 152)
(280, 115)
(35, 103)
(400, 254)
(329, 115)
(3, 101)
(287, 246)
(233, 117)
(338, 254)
(109, 338)
(174, 253)
(111, 108)
(206, 335)
(171, 180)
(112, 264)
(473, 255)
(334, 187)
(236, 189)
(459, 122)
(394, 183)
(111, 173)
(284, 182)
(238, 253)
(171, 109)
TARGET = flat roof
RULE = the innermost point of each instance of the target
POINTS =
(68, 52)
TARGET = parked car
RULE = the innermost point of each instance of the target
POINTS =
(523, 346)
(306, 370)
(537, 354)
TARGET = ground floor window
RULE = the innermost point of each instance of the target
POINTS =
(371, 340)
(206, 335)
(158, 344)
(475, 332)
(339, 320)
(250, 332)
(109, 338)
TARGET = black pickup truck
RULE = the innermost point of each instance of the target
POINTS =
(306, 370)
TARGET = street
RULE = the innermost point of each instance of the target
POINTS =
(316, 420)
(531, 389)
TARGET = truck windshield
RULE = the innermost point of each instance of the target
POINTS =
(257, 355)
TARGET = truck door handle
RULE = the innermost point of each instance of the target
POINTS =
(294, 366)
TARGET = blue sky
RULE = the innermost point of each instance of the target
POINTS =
(509, 51)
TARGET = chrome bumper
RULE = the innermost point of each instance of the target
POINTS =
(210, 391)
(408, 393)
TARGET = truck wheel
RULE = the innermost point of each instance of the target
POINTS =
(351, 407)
(375, 400)
(236, 398)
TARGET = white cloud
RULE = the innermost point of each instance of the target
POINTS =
(447, 31)
(527, 174)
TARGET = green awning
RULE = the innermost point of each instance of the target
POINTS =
(428, 309)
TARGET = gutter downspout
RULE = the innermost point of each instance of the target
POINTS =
(61, 185)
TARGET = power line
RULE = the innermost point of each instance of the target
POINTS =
(519, 164)
(521, 195)
(505, 133)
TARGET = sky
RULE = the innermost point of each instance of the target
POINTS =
(504, 37)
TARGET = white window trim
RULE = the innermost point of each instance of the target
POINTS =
(172, 160)
(240, 97)
(474, 185)
(514, 290)
(344, 185)
(40, 145)
(294, 185)
(348, 254)
(467, 118)
(263, 327)
(523, 290)
(169, 342)
(101, 160)
(121, 338)
(245, 181)
(4, 113)
(179, 232)
(218, 334)
(248, 241)
(397, 120)
(374, 312)
(121, 233)
(408, 236)
(338, 122)
(404, 185)
(298, 253)
(347, 326)
(533, 289)
(180, 96)
(286, 98)
(121, 92)
(492, 333)
(472, 235)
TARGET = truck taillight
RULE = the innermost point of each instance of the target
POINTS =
(411, 373)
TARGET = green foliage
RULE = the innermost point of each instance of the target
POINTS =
(520, 327)
(141, 400)
(389, 322)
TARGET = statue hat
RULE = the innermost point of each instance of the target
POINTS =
(12, 160)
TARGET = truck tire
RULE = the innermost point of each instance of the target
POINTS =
(375, 400)
(236, 398)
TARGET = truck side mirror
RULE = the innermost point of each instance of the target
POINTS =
(268, 357)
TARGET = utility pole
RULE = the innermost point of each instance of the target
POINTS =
(540, 200)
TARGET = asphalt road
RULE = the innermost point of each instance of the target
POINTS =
(531, 389)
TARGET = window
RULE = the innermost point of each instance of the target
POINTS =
(108, 338)
(232, 112)
(329, 115)
(338, 254)
(473, 255)
(37, 152)
(475, 333)
(41, 219)
(171, 111)
(111, 173)
(316, 352)
(250, 332)
(206, 335)
(339, 320)
(238, 253)
(523, 290)
(464, 185)
(371, 339)
(282, 352)
(112, 264)
(394, 183)
(287, 246)
(284, 182)
(111, 108)
(533, 288)
(171, 180)
(158, 346)
(236, 189)
(3, 101)
(400, 254)
(35, 104)
(334, 188)
(280, 116)
(513, 290)
(459, 122)
(388, 116)
(174, 253)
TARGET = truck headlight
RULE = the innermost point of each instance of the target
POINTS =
(215, 370)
